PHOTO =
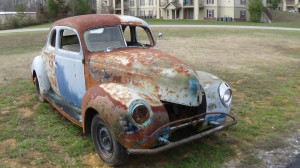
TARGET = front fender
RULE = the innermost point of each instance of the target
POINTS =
(113, 102)
(210, 85)
(39, 69)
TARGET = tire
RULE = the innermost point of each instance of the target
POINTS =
(38, 91)
(109, 150)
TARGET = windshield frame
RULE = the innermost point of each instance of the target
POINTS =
(108, 48)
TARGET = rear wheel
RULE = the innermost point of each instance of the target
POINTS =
(38, 91)
(110, 151)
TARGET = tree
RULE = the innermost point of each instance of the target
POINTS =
(255, 9)
(274, 4)
(82, 7)
(53, 8)
(20, 9)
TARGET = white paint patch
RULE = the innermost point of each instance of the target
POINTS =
(124, 61)
(125, 19)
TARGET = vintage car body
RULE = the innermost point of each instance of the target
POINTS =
(128, 94)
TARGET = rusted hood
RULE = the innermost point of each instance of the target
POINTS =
(152, 70)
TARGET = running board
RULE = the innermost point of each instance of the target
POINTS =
(67, 109)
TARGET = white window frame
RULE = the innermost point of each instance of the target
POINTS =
(209, 13)
(243, 2)
(131, 3)
(210, 1)
(150, 12)
(142, 2)
(132, 13)
(243, 14)
(150, 3)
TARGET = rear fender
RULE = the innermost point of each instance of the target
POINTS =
(113, 102)
(39, 70)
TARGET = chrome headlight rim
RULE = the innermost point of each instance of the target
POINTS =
(225, 94)
(133, 109)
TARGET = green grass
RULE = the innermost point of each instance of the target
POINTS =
(46, 25)
(16, 43)
(47, 132)
(268, 111)
(292, 24)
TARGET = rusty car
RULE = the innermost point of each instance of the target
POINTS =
(105, 73)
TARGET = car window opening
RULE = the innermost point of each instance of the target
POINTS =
(104, 39)
(69, 41)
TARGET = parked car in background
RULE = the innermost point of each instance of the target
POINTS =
(105, 74)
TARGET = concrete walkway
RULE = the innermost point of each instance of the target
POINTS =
(173, 26)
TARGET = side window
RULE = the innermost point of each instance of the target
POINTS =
(69, 41)
(53, 38)
(142, 36)
(136, 36)
(127, 34)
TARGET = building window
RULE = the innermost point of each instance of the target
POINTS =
(243, 2)
(142, 13)
(150, 2)
(210, 1)
(142, 2)
(132, 13)
(150, 12)
(243, 14)
(210, 13)
(131, 2)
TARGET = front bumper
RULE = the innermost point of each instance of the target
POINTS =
(186, 122)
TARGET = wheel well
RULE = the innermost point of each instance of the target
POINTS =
(33, 76)
(89, 115)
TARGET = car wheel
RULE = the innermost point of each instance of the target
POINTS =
(109, 150)
(38, 91)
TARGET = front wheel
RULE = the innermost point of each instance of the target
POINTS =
(109, 150)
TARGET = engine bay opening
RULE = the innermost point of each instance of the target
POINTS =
(177, 111)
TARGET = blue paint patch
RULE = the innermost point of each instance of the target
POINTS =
(215, 117)
(128, 127)
(164, 133)
(194, 86)
(65, 87)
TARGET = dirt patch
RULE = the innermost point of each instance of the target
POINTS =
(280, 157)
(93, 160)
(8, 143)
(25, 112)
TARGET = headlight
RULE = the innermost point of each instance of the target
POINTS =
(225, 94)
(140, 113)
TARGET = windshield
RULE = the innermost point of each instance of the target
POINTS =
(104, 39)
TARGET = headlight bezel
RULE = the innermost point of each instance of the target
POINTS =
(225, 94)
(136, 105)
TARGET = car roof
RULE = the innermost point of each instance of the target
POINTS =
(84, 22)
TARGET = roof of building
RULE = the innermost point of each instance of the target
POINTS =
(84, 22)
(175, 4)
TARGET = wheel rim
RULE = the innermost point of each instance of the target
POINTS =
(105, 141)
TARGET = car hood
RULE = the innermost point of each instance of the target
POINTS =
(154, 71)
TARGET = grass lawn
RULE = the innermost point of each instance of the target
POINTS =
(292, 24)
(262, 67)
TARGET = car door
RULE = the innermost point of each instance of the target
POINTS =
(48, 55)
(69, 66)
